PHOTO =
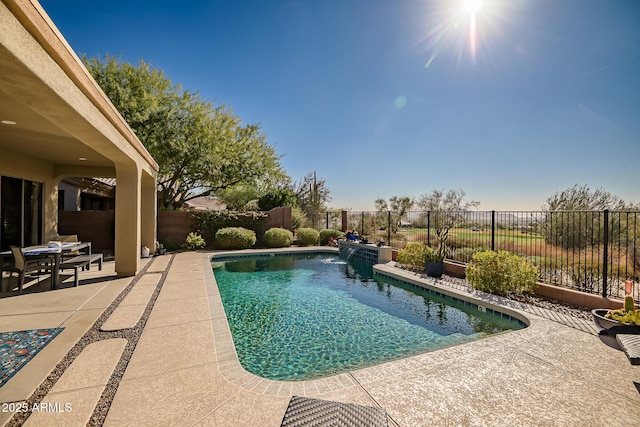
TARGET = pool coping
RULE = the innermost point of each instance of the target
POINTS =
(232, 370)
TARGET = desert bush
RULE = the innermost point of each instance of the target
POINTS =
(325, 235)
(414, 256)
(235, 238)
(194, 241)
(298, 217)
(457, 242)
(308, 237)
(465, 254)
(170, 244)
(207, 223)
(501, 273)
(278, 238)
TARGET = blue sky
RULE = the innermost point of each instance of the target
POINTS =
(385, 98)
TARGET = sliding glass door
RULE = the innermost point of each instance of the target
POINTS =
(20, 212)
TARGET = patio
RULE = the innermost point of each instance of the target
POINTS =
(184, 371)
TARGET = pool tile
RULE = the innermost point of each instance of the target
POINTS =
(310, 388)
(286, 389)
(297, 388)
(273, 388)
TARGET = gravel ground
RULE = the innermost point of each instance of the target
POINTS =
(537, 300)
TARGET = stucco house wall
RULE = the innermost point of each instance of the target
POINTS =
(56, 122)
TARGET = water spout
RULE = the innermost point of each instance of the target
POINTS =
(351, 252)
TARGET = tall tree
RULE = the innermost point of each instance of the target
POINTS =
(448, 208)
(201, 148)
(582, 198)
(398, 207)
(574, 218)
(312, 195)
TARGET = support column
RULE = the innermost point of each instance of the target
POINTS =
(128, 219)
(149, 212)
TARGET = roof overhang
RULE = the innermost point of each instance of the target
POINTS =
(60, 113)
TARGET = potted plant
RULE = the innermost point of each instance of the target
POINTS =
(625, 320)
(160, 249)
(434, 265)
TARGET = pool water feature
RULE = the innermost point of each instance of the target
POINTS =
(300, 317)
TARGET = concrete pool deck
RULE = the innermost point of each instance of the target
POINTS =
(184, 370)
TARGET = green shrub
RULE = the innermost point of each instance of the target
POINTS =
(414, 255)
(298, 218)
(457, 242)
(466, 254)
(235, 238)
(194, 241)
(171, 245)
(276, 199)
(308, 237)
(209, 222)
(501, 273)
(325, 235)
(278, 238)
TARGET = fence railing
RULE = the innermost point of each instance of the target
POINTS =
(591, 251)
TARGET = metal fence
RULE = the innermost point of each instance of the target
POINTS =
(592, 251)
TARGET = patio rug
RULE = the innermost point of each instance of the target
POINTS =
(303, 411)
(19, 347)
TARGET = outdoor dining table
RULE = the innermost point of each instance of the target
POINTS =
(55, 253)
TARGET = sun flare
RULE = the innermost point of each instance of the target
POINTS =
(472, 6)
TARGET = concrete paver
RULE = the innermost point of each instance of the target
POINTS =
(78, 391)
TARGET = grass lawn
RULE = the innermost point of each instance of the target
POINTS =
(465, 233)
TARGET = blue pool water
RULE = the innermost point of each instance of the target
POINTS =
(299, 317)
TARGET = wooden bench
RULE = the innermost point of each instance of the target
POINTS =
(80, 263)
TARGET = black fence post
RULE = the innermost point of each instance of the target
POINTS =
(605, 254)
(362, 223)
(428, 228)
(327, 227)
(493, 230)
(389, 228)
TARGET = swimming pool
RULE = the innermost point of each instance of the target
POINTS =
(300, 317)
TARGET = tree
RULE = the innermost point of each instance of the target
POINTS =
(574, 218)
(277, 198)
(582, 198)
(312, 195)
(446, 209)
(201, 149)
(397, 205)
(239, 197)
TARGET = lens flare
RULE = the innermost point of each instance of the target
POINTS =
(472, 6)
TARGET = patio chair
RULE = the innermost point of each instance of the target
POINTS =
(22, 266)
